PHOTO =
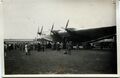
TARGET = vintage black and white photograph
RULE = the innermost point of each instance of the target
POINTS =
(60, 37)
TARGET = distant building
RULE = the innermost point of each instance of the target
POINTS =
(19, 40)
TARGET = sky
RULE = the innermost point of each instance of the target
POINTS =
(23, 17)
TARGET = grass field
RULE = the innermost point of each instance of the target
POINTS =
(56, 62)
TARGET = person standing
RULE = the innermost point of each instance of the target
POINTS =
(39, 47)
(69, 47)
(61, 45)
(58, 46)
(5, 49)
(26, 49)
(43, 46)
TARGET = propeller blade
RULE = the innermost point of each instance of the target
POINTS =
(38, 30)
(67, 24)
(41, 30)
(52, 28)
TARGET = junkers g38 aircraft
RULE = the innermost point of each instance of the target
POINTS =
(80, 36)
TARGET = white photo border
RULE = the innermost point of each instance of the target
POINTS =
(65, 75)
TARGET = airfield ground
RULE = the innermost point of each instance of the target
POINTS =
(56, 62)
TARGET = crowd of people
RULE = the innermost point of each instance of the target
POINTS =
(42, 46)
(38, 46)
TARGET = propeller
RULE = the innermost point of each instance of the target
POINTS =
(52, 28)
(41, 30)
(67, 24)
(66, 27)
(54, 31)
(40, 33)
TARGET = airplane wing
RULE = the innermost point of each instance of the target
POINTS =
(91, 34)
